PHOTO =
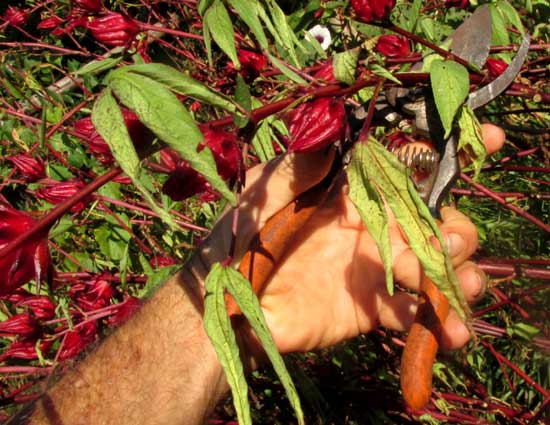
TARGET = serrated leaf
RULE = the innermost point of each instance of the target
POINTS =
(385, 173)
(220, 27)
(219, 330)
(286, 70)
(371, 208)
(248, 12)
(161, 111)
(109, 123)
(471, 139)
(181, 83)
(344, 65)
(95, 67)
(241, 290)
(450, 85)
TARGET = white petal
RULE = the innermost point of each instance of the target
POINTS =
(321, 32)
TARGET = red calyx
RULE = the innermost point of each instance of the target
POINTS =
(372, 10)
(16, 16)
(315, 125)
(113, 29)
(496, 67)
(393, 46)
(30, 260)
(30, 168)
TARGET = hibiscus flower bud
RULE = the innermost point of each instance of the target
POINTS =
(315, 125)
(56, 192)
(125, 310)
(50, 23)
(462, 4)
(19, 325)
(16, 16)
(31, 168)
(113, 29)
(252, 63)
(372, 10)
(30, 260)
(326, 73)
(41, 306)
(77, 340)
(89, 6)
(393, 46)
(185, 182)
(496, 67)
(24, 349)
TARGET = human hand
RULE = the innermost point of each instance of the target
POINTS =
(330, 286)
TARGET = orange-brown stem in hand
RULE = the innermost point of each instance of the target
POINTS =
(422, 344)
(274, 239)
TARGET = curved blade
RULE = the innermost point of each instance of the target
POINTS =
(487, 93)
(471, 41)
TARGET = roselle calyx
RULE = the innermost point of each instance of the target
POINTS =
(113, 29)
(77, 340)
(89, 6)
(185, 182)
(126, 309)
(23, 325)
(326, 73)
(315, 125)
(393, 46)
(252, 63)
(372, 10)
(496, 67)
(31, 168)
(41, 306)
(16, 16)
(55, 192)
(25, 349)
(30, 260)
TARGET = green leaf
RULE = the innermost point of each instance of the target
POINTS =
(156, 278)
(344, 65)
(523, 330)
(109, 123)
(471, 138)
(286, 70)
(385, 173)
(383, 72)
(241, 290)
(500, 33)
(220, 27)
(221, 334)
(161, 111)
(284, 31)
(371, 208)
(450, 86)
(243, 98)
(95, 67)
(511, 15)
(248, 12)
(262, 142)
(181, 83)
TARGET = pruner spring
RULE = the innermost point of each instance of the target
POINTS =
(424, 164)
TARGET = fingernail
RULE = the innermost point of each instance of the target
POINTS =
(482, 279)
(455, 244)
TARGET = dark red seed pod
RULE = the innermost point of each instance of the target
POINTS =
(496, 67)
(113, 29)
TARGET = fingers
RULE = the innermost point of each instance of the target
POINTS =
(493, 137)
(459, 233)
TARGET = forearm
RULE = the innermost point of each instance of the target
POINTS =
(159, 368)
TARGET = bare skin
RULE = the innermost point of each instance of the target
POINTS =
(159, 368)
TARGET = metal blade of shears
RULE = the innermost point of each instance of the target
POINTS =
(449, 167)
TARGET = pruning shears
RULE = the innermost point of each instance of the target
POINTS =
(471, 42)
